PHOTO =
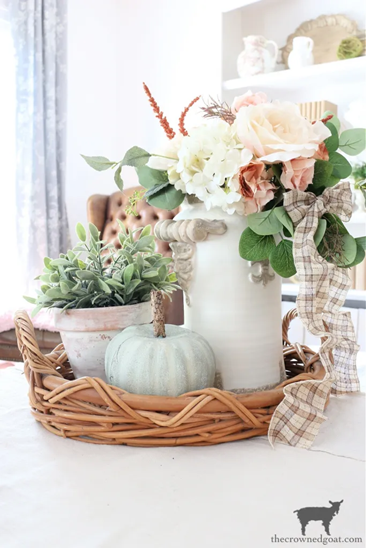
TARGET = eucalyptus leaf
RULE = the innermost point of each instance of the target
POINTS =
(284, 219)
(117, 177)
(253, 247)
(353, 141)
(282, 260)
(332, 181)
(287, 233)
(332, 142)
(265, 223)
(333, 219)
(320, 231)
(169, 198)
(360, 255)
(341, 167)
(100, 163)
(155, 189)
(148, 177)
(361, 241)
(349, 251)
(135, 157)
(322, 171)
(335, 121)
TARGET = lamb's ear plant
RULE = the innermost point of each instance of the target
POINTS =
(96, 274)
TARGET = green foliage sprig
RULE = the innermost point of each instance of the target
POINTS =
(160, 193)
(82, 278)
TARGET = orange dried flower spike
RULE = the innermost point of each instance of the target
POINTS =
(170, 133)
(182, 128)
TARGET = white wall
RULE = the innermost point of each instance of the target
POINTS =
(115, 45)
(92, 100)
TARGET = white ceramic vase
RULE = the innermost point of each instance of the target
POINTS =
(302, 53)
(259, 56)
(235, 305)
(86, 333)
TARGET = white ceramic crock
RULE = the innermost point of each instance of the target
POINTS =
(240, 318)
(86, 332)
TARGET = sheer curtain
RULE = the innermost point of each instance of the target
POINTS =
(39, 35)
(33, 220)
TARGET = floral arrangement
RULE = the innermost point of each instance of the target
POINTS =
(95, 274)
(243, 159)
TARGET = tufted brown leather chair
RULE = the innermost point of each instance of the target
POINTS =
(103, 211)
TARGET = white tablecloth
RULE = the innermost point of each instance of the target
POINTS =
(61, 493)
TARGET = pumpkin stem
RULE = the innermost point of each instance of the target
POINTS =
(158, 313)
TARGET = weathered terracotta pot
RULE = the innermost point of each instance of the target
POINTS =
(86, 333)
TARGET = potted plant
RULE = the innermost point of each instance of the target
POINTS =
(97, 290)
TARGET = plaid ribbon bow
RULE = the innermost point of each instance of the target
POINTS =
(323, 290)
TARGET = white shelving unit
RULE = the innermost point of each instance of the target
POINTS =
(339, 82)
(338, 71)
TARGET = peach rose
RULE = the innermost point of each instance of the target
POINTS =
(247, 99)
(277, 132)
(254, 186)
(322, 153)
(298, 173)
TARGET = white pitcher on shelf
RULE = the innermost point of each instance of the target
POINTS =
(256, 57)
(302, 53)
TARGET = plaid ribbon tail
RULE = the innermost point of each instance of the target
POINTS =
(322, 292)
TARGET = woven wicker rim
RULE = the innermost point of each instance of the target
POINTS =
(88, 409)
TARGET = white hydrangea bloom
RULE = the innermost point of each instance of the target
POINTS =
(203, 163)
(207, 160)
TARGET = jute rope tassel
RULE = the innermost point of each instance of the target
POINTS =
(158, 313)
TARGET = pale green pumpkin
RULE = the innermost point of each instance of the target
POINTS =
(142, 363)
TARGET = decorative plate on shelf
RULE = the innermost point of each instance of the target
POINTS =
(327, 32)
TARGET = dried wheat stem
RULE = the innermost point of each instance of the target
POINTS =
(182, 128)
(162, 119)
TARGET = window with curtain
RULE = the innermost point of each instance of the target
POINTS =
(33, 221)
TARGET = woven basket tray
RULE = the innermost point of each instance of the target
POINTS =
(90, 410)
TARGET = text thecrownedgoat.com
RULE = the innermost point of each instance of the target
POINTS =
(321, 539)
